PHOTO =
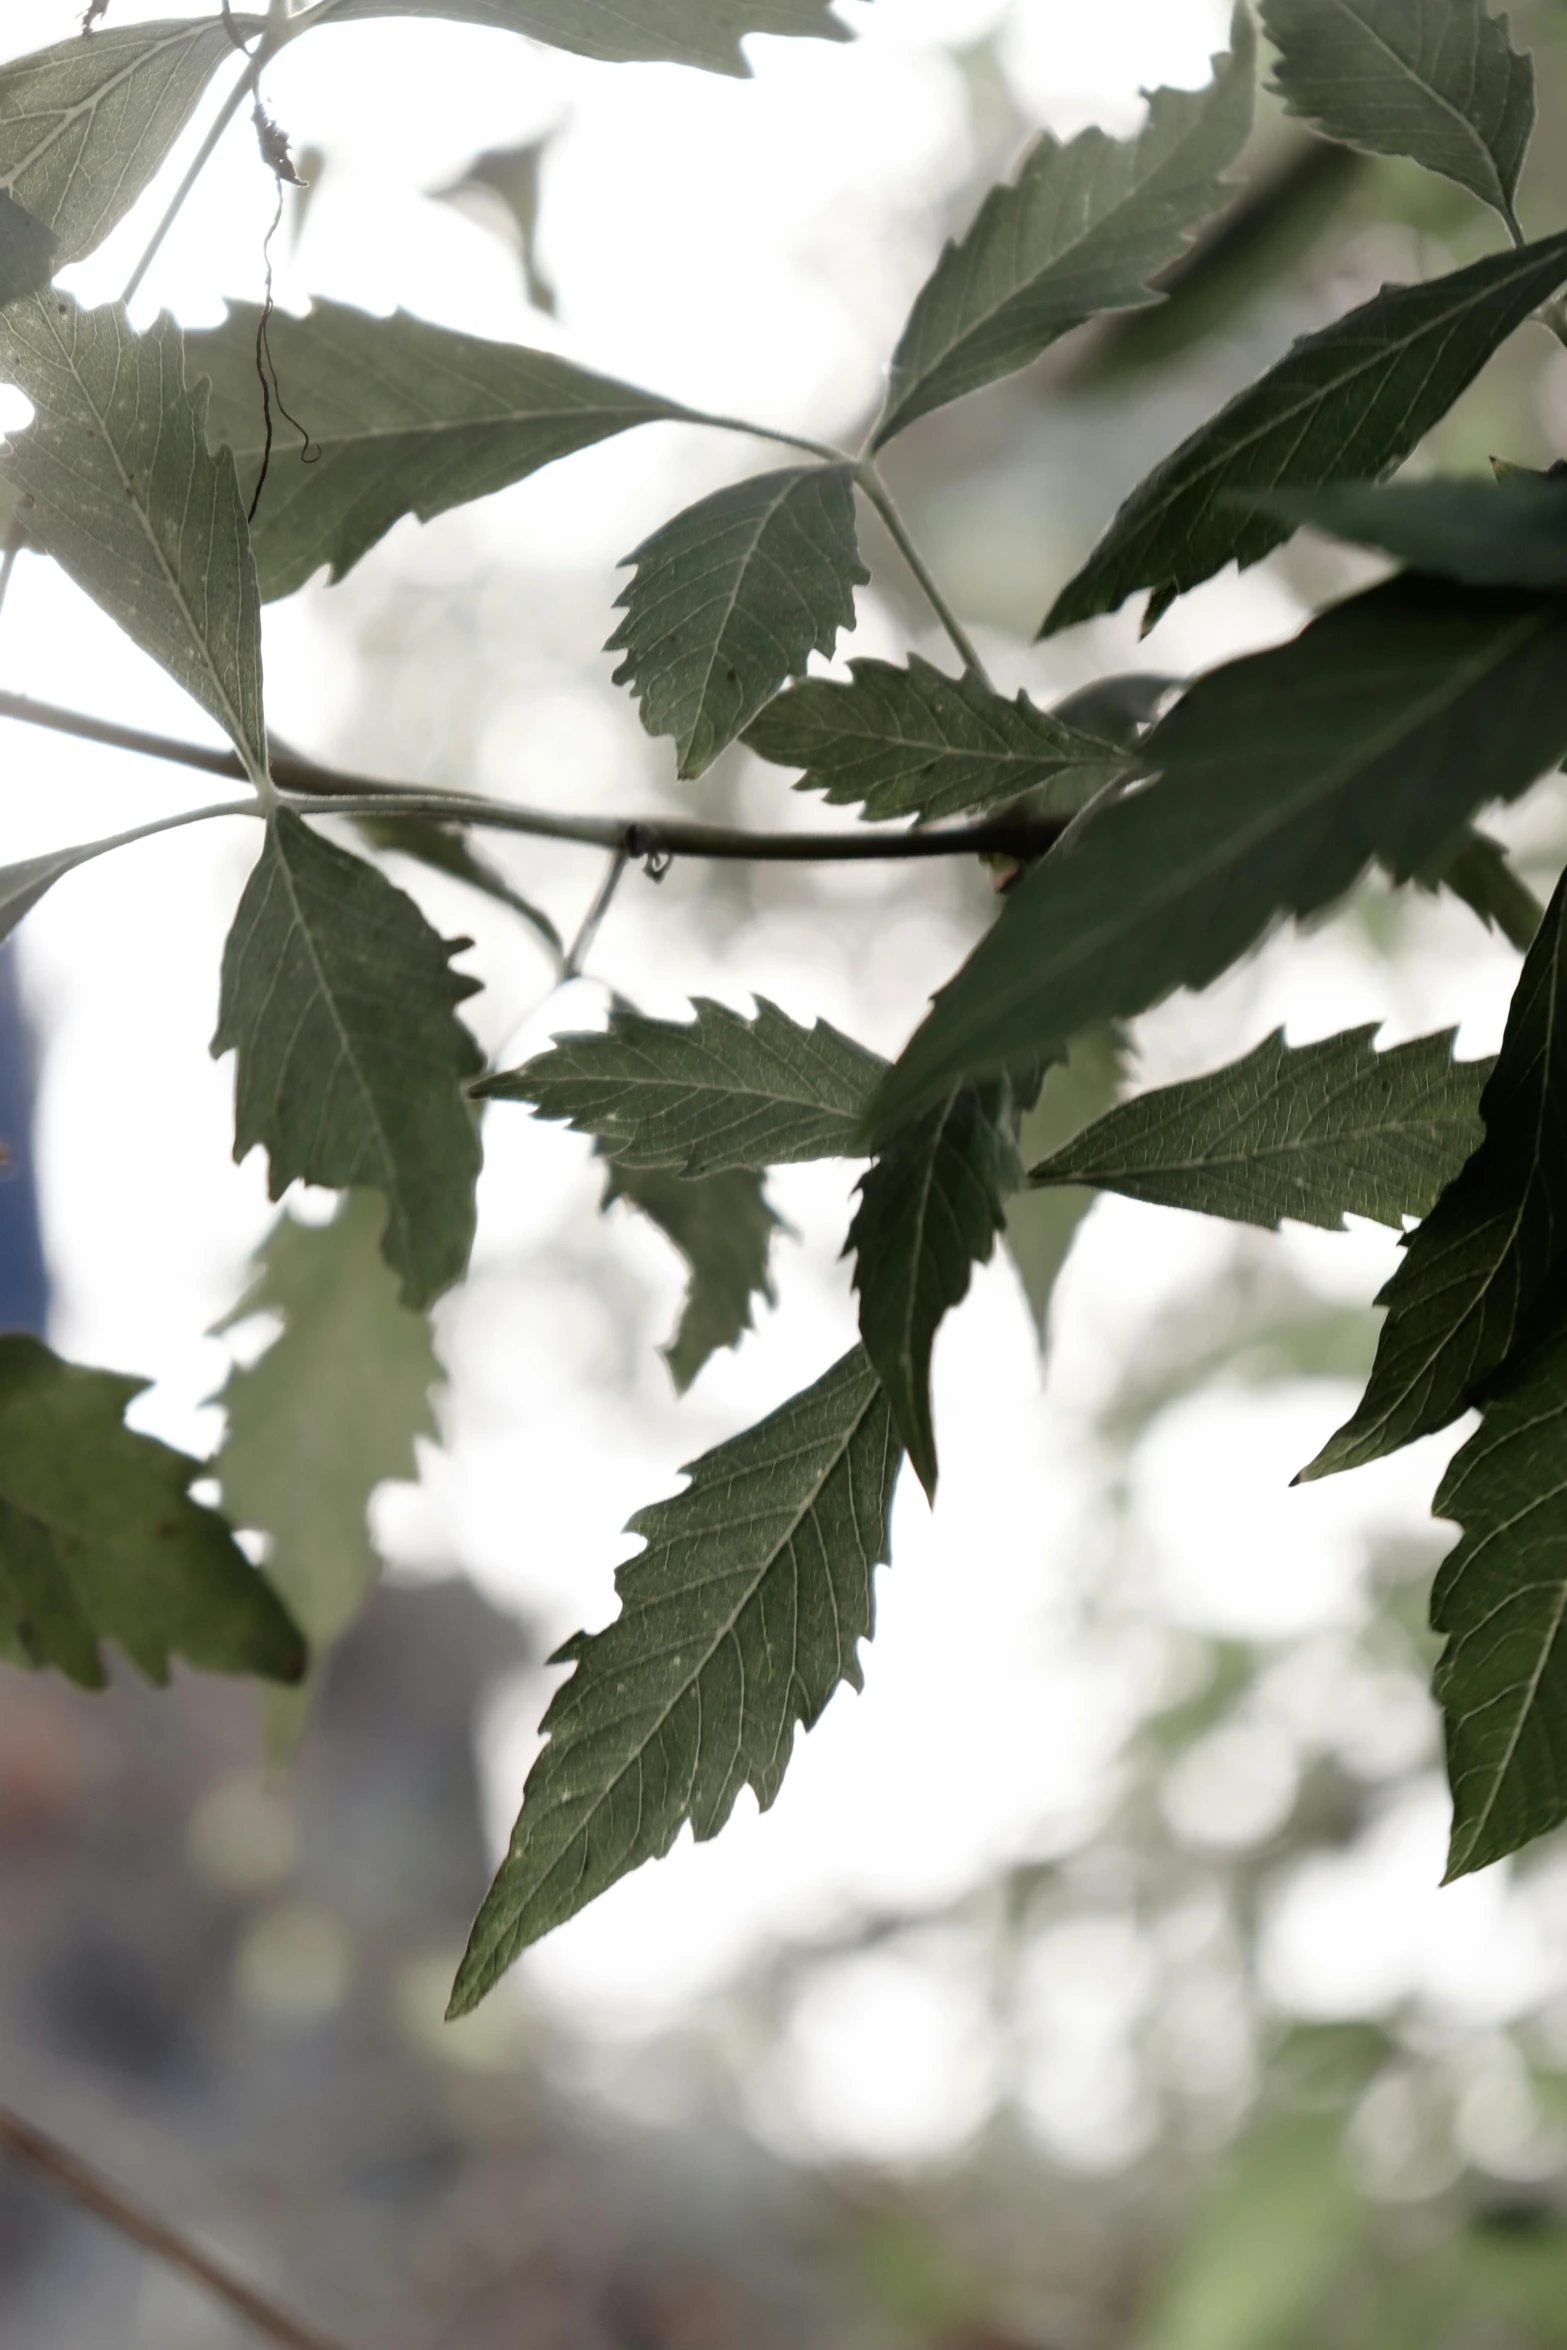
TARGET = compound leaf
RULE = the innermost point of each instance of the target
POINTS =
(916, 742)
(723, 1227)
(1315, 1131)
(739, 1619)
(402, 418)
(99, 1539)
(1374, 733)
(1509, 533)
(699, 1096)
(340, 1002)
(929, 1211)
(1476, 1275)
(1346, 403)
(705, 33)
(1436, 80)
(116, 482)
(1083, 228)
(327, 1414)
(1501, 1599)
(86, 124)
(731, 599)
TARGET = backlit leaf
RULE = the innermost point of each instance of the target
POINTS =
(448, 849)
(731, 599)
(740, 1617)
(99, 1539)
(1083, 228)
(1346, 403)
(1315, 1131)
(1042, 1224)
(723, 1227)
(340, 1002)
(705, 33)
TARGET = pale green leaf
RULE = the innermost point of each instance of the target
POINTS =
(740, 1617)
(1083, 228)
(1477, 1274)
(99, 1539)
(699, 1096)
(1436, 80)
(26, 252)
(1316, 1132)
(1501, 1600)
(1373, 734)
(916, 742)
(340, 1002)
(402, 418)
(705, 33)
(327, 1414)
(1508, 533)
(731, 599)
(1042, 1224)
(929, 1211)
(115, 480)
(723, 1227)
(85, 125)
(1346, 403)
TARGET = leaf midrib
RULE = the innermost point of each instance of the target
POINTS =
(1403, 64)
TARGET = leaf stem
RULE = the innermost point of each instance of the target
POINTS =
(868, 475)
(592, 920)
(322, 791)
(231, 105)
(766, 432)
(60, 2169)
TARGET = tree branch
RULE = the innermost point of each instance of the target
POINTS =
(58, 2168)
(325, 791)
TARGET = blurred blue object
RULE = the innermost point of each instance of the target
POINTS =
(24, 1276)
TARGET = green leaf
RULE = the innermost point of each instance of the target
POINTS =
(1501, 1600)
(402, 418)
(929, 1211)
(340, 1001)
(99, 1539)
(1042, 1225)
(27, 252)
(738, 1619)
(448, 849)
(116, 482)
(732, 598)
(1316, 1132)
(1509, 533)
(1346, 403)
(916, 742)
(705, 33)
(1436, 80)
(723, 1227)
(85, 125)
(1082, 229)
(327, 1414)
(1374, 733)
(1475, 1275)
(699, 1096)
(1479, 873)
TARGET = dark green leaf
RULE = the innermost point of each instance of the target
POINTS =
(723, 1227)
(1042, 1225)
(99, 1539)
(1475, 1275)
(1480, 874)
(929, 1211)
(1373, 734)
(27, 252)
(1117, 708)
(703, 1095)
(340, 1002)
(447, 849)
(402, 418)
(1436, 80)
(732, 598)
(916, 742)
(705, 33)
(738, 1619)
(1083, 228)
(1501, 1599)
(1349, 402)
(1318, 1132)
(1510, 533)
(327, 1414)
(116, 482)
(86, 124)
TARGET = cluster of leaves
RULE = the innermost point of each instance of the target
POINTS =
(1265, 791)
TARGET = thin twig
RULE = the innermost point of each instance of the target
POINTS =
(581, 945)
(51, 2162)
(231, 105)
(871, 482)
(324, 791)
